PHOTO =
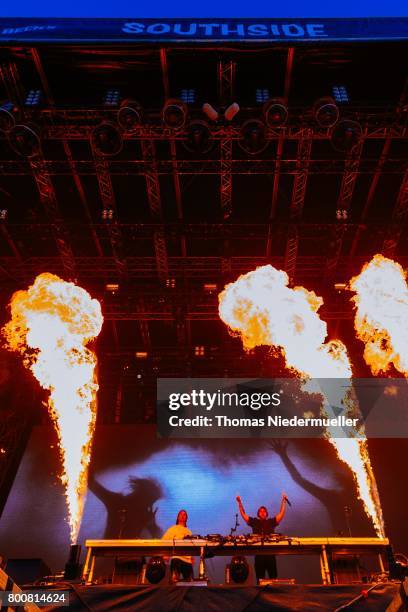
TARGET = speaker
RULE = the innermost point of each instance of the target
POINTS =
(346, 569)
(26, 571)
(128, 570)
(156, 572)
(239, 572)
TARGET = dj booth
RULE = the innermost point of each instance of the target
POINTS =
(327, 548)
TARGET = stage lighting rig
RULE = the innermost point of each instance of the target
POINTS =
(8, 116)
(326, 112)
(210, 111)
(108, 214)
(231, 110)
(34, 98)
(262, 95)
(198, 138)
(340, 94)
(275, 113)
(253, 138)
(346, 135)
(106, 139)
(188, 96)
(24, 139)
(3, 214)
(130, 115)
(112, 98)
(174, 114)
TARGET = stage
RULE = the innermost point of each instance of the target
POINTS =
(229, 599)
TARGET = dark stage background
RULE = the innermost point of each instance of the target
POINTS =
(151, 479)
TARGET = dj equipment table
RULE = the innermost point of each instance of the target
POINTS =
(202, 548)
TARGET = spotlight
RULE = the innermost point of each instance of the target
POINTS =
(112, 287)
(239, 569)
(7, 116)
(210, 111)
(325, 112)
(155, 570)
(25, 140)
(231, 111)
(188, 96)
(198, 138)
(174, 114)
(170, 283)
(108, 214)
(106, 139)
(141, 354)
(346, 134)
(199, 351)
(253, 140)
(130, 114)
(340, 94)
(210, 287)
(34, 97)
(275, 113)
(3, 214)
(112, 97)
(262, 95)
(340, 286)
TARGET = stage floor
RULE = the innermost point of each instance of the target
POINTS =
(227, 599)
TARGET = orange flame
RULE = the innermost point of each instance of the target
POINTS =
(51, 323)
(264, 310)
(381, 319)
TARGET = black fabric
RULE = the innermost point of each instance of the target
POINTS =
(265, 564)
(181, 568)
(284, 598)
(262, 527)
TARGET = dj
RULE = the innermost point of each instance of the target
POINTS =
(264, 526)
(180, 565)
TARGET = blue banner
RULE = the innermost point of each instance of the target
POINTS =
(37, 30)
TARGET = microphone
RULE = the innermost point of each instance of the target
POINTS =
(287, 501)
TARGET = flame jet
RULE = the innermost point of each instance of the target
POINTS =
(51, 324)
(381, 317)
(264, 310)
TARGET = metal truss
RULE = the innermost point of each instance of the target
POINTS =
(154, 199)
(192, 167)
(398, 221)
(297, 203)
(109, 204)
(343, 205)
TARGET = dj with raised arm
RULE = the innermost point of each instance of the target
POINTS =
(180, 566)
(264, 525)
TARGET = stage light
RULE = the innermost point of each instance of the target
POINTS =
(210, 111)
(199, 351)
(341, 214)
(3, 214)
(340, 286)
(112, 97)
(106, 139)
(141, 354)
(253, 140)
(326, 112)
(130, 114)
(198, 138)
(340, 94)
(155, 570)
(231, 111)
(174, 114)
(262, 96)
(25, 140)
(188, 96)
(170, 283)
(239, 569)
(346, 134)
(8, 114)
(275, 113)
(33, 98)
(108, 214)
(112, 287)
(210, 287)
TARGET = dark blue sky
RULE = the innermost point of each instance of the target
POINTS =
(208, 8)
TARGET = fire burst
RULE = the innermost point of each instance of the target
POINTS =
(51, 324)
(264, 310)
(381, 302)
